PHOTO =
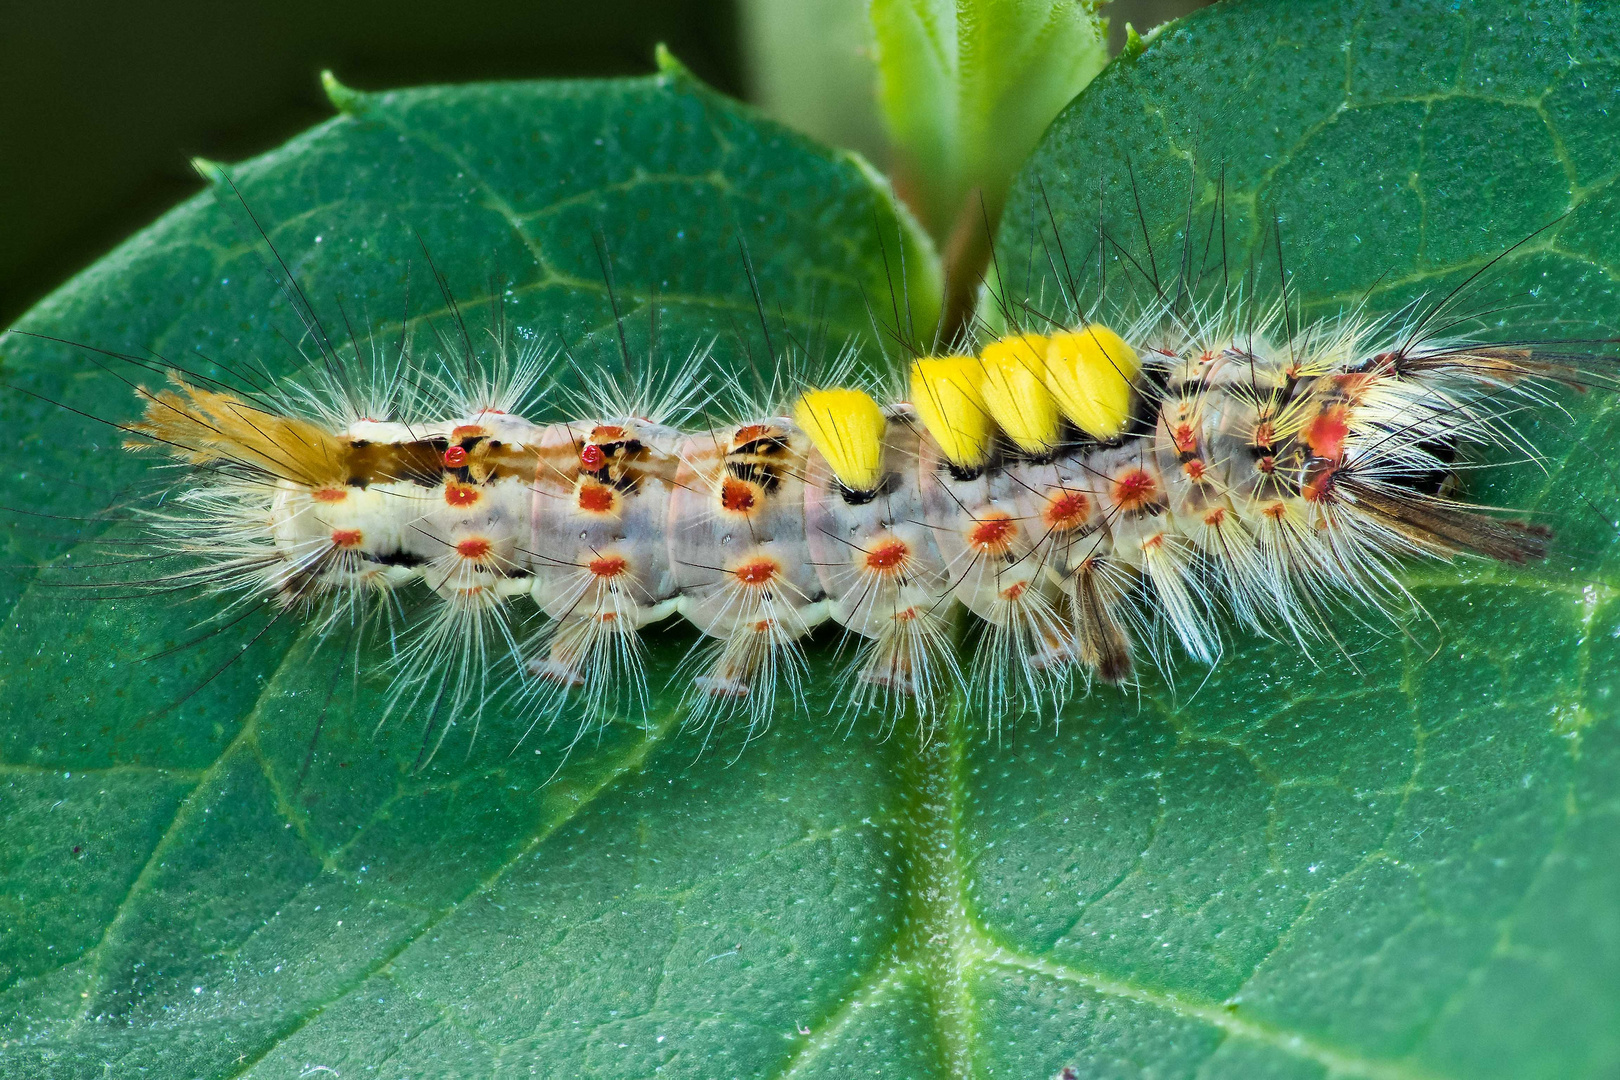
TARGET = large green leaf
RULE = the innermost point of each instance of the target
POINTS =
(1404, 869)
(206, 888)
(1407, 865)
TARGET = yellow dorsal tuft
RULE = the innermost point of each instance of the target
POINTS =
(1090, 372)
(945, 391)
(1015, 391)
(206, 426)
(847, 427)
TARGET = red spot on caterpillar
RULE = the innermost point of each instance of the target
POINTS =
(460, 494)
(1266, 464)
(1326, 432)
(592, 457)
(473, 547)
(1185, 438)
(1276, 511)
(746, 435)
(608, 566)
(763, 626)
(1194, 469)
(455, 457)
(991, 533)
(1215, 517)
(467, 431)
(756, 571)
(887, 555)
(596, 498)
(1135, 489)
(737, 495)
(607, 433)
(346, 538)
(1015, 590)
(1067, 510)
(1318, 485)
(329, 494)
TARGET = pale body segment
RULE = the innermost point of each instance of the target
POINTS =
(1081, 496)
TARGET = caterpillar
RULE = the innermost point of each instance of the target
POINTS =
(1093, 490)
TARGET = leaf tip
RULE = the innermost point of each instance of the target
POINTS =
(344, 99)
(668, 63)
(1133, 44)
(212, 172)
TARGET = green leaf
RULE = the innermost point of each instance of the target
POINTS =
(1406, 869)
(252, 878)
(967, 87)
(1406, 865)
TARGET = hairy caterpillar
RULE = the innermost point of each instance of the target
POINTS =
(1090, 487)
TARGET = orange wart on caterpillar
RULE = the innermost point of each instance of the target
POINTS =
(1098, 488)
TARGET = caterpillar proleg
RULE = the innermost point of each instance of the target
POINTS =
(1094, 490)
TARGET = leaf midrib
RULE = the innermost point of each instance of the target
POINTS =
(934, 803)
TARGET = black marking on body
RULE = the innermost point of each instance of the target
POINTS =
(767, 475)
(886, 486)
(394, 558)
(618, 457)
(1428, 481)
(764, 446)
(420, 463)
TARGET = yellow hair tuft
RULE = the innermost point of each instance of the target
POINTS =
(206, 426)
(847, 427)
(1015, 392)
(1090, 372)
(945, 391)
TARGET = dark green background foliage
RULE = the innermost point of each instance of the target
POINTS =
(1407, 867)
(104, 101)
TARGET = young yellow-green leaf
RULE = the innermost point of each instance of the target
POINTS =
(967, 87)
